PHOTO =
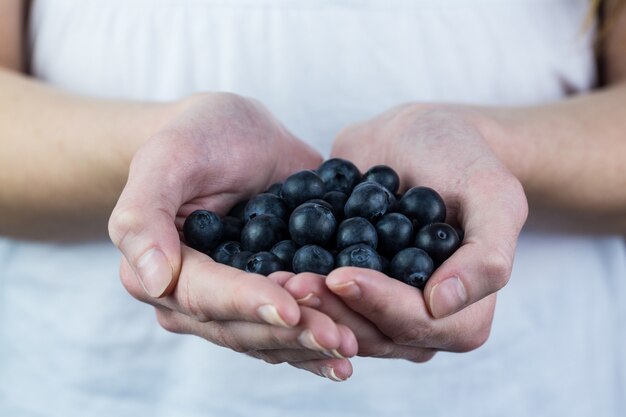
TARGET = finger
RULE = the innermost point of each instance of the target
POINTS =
(315, 333)
(492, 220)
(280, 277)
(278, 356)
(348, 348)
(399, 312)
(337, 370)
(311, 288)
(142, 224)
(209, 291)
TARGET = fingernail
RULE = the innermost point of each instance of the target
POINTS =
(154, 271)
(348, 289)
(269, 314)
(335, 354)
(329, 373)
(310, 300)
(447, 297)
(307, 340)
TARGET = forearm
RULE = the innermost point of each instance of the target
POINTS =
(64, 158)
(570, 156)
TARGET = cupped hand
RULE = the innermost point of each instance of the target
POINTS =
(444, 148)
(222, 149)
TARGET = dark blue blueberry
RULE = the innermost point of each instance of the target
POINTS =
(337, 200)
(301, 187)
(263, 232)
(312, 258)
(339, 175)
(275, 189)
(360, 256)
(412, 266)
(263, 263)
(322, 202)
(356, 230)
(203, 230)
(461, 233)
(385, 264)
(225, 252)
(369, 200)
(238, 209)
(241, 259)
(395, 232)
(312, 223)
(383, 175)
(423, 205)
(439, 240)
(266, 204)
(232, 229)
(285, 250)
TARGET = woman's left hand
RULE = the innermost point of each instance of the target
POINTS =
(442, 148)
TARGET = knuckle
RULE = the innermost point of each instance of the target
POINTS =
(272, 360)
(476, 340)
(516, 200)
(413, 334)
(225, 337)
(124, 222)
(423, 356)
(377, 349)
(190, 303)
(240, 299)
(498, 267)
(168, 321)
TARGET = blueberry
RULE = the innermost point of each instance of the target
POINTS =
(439, 240)
(285, 250)
(203, 230)
(263, 263)
(360, 256)
(275, 189)
(241, 259)
(395, 232)
(322, 202)
(339, 175)
(412, 266)
(302, 186)
(312, 223)
(356, 230)
(238, 209)
(369, 200)
(232, 229)
(262, 232)
(266, 204)
(337, 200)
(225, 252)
(383, 175)
(423, 205)
(312, 258)
(461, 233)
(385, 264)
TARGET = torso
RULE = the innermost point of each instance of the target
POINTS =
(319, 65)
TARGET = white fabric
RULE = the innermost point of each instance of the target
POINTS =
(73, 343)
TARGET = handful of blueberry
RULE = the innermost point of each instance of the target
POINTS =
(316, 221)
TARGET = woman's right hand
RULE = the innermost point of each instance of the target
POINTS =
(221, 150)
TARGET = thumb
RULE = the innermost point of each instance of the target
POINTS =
(142, 227)
(483, 264)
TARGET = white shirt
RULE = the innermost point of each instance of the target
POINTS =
(74, 343)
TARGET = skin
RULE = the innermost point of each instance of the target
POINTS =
(568, 156)
(511, 155)
(66, 164)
